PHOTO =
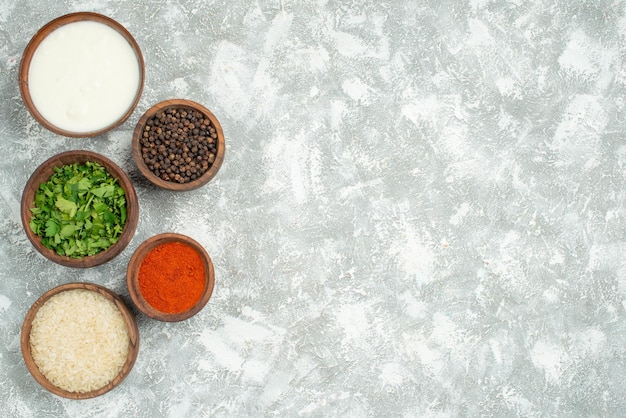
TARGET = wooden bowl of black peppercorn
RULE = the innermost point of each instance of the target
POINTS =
(178, 145)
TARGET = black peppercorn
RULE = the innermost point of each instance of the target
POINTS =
(179, 144)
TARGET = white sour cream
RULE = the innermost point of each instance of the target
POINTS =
(83, 76)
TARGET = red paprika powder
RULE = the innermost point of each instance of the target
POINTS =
(172, 277)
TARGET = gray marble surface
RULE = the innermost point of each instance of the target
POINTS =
(421, 211)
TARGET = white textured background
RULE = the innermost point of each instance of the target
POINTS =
(421, 211)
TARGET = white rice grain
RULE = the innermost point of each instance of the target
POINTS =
(79, 340)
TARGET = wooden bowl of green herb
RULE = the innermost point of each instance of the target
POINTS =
(79, 209)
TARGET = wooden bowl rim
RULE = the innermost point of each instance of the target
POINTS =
(132, 277)
(46, 30)
(129, 320)
(170, 185)
(132, 208)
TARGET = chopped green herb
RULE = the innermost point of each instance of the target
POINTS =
(80, 211)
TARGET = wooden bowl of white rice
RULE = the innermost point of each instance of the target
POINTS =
(79, 340)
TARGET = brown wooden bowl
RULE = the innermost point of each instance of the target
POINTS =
(132, 277)
(34, 44)
(43, 174)
(133, 335)
(171, 185)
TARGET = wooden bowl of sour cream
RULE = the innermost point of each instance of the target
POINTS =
(81, 75)
(79, 340)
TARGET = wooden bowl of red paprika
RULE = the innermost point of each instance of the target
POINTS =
(170, 277)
